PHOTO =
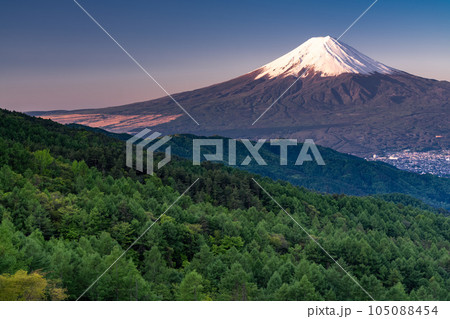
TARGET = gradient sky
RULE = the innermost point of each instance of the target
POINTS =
(52, 56)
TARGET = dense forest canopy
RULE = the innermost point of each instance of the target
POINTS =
(69, 208)
(343, 173)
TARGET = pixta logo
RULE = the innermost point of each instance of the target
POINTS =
(253, 149)
(143, 139)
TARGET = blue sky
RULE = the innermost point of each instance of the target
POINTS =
(53, 57)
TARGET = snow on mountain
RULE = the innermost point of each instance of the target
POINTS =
(325, 56)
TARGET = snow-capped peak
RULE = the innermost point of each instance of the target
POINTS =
(325, 56)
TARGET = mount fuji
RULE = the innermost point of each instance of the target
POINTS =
(335, 95)
(324, 56)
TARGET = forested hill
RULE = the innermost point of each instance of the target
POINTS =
(342, 173)
(69, 208)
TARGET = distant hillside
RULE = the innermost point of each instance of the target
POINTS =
(342, 173)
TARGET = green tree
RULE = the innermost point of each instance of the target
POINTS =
(299, 290)
(28, 287)
(274, 283)
(43, 160)
(155, 267)
(191, 288)
(11, 258)
(235, 283)
(397, 293)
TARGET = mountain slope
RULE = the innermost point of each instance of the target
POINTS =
(342, 173)
(372, 109)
